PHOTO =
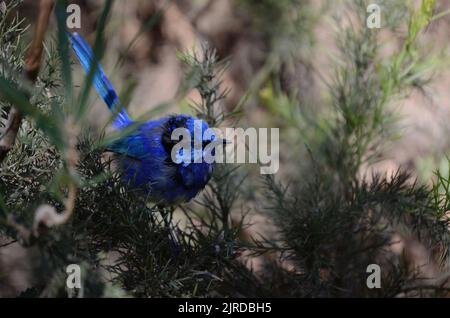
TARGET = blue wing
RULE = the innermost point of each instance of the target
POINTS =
(142, 143)
(101, 82)
(132, 146)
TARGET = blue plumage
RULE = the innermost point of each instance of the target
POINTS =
(146, 153)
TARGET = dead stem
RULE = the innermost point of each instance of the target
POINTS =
(45, 214)
(32, 66)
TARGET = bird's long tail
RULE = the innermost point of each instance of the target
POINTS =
(101, 82)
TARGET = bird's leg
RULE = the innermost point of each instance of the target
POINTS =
(175, 247)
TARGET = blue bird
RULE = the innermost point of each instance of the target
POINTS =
(146, 153)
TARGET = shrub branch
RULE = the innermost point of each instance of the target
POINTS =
(32, 66)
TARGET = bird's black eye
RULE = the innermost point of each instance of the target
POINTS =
(171, 124)
(206, 143)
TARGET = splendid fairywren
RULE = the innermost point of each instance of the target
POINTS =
(146, 159)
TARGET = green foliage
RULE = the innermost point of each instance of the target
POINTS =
(334, 221)
(11, 30)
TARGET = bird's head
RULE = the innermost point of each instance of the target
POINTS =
(185, 140)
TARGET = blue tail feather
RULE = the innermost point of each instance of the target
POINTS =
(101, 82)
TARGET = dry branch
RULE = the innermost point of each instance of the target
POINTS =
(32, 66)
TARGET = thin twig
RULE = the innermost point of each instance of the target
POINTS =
(8, 243)
(9, 136)
(440, 15)
(47, 215)
(32, 66)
